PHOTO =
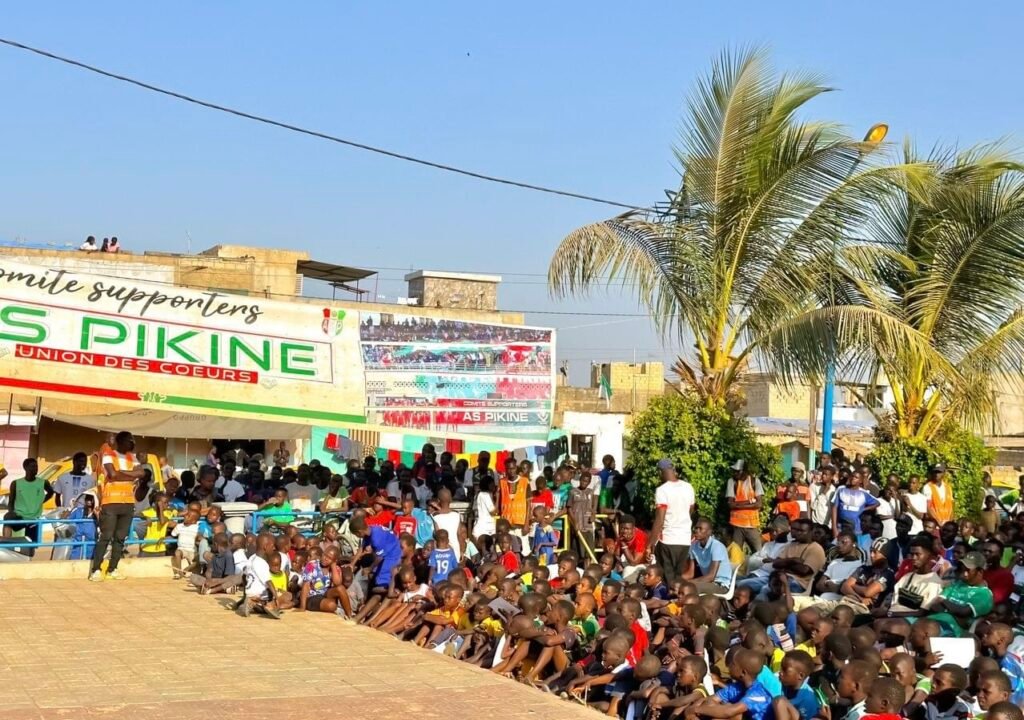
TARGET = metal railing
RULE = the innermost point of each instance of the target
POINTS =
(60, 536)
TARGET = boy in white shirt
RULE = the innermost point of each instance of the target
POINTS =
(187, 533)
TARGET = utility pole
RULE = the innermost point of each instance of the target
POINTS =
(812, 430)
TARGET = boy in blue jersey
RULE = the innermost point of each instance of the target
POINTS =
(442, 560)
(383, 544)
(745, 695)
(798, 701)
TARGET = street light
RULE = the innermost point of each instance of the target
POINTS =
(875, 134)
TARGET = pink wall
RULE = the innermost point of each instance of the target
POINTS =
(14, 448)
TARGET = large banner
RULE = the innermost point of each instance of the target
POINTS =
(458, 377)
(145, 345)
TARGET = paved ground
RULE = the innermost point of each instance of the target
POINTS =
(152, 648)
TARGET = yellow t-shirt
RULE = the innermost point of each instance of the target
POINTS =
(491, 626)
(779, 654)
(156, 531)
(279, 580)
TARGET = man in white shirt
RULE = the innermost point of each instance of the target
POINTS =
(302, 494)
(672, 533)
(72, 484)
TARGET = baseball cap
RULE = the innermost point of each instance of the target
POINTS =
(974, 560)
(665, 464)
(738, 465)
(878, 545)
(936, 468)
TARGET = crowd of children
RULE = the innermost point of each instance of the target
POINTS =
(603, 624)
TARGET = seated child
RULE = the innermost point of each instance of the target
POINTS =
(508, 558)
(610, 592)
(187, 533)
(744, 695)
(948, 682)
(486, 629)
(688, 689)
(584, 620)
(448, 614)
(993, 687)
(884, 701)
(404, 602)
(854, 682)
(798, 701)
(221, 574)
(637, 684)
(556, 647)
(916, 688)
(321, 582)
(1005, 711)
(590, 681)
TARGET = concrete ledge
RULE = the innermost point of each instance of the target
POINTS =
(79, 569)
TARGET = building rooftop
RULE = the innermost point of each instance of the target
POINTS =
(442, 275)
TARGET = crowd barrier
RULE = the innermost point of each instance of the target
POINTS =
(63, 533)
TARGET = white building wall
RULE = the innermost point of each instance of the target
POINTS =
(608, 430)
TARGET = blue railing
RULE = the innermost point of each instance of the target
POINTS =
(254, 522)
(39, 523)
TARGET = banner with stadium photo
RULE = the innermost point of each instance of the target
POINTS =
(456, 377)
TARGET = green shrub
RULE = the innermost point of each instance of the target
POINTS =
(703, 442)
(963, 453)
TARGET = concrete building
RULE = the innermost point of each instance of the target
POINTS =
(596, 423)
(765, 398)
(436, 289)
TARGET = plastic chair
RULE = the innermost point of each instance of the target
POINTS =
(727, 595)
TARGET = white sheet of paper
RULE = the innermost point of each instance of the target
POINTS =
(956, 651)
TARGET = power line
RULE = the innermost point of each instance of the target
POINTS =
(312, 133)
(398, 309)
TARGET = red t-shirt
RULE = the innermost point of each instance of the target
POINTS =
(545, 498)
(637, 546)
(405, 524)
(510, 561)
(383, 519)
(639, 645)
(1000, 582)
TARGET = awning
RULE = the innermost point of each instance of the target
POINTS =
(334, 274)
(158, 423)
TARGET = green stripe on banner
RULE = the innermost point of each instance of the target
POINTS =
(263, 409)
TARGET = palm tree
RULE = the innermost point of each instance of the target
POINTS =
(951, 272)
(737, 256)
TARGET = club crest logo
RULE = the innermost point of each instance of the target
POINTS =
(333, 321)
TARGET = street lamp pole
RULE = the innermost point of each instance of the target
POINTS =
(875, 135)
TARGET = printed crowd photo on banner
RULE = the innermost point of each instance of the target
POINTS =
(447, 376)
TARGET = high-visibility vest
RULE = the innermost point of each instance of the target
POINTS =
(117, 491)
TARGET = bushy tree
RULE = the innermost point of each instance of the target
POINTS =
(703, 441)
(963, 453)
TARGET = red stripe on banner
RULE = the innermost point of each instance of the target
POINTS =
(70, 389)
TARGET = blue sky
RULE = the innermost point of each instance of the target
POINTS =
(584, 96)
